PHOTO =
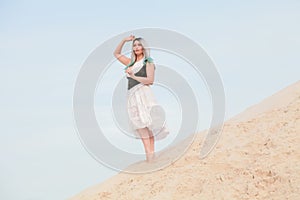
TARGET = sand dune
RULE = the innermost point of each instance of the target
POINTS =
(257, 157)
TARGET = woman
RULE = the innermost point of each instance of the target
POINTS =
(146, 116)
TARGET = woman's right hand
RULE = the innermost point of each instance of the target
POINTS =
(130, 38)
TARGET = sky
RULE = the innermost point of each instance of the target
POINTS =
(255, 46)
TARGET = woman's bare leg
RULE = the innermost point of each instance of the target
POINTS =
(151, 141)
(144, 134)
(146, 139)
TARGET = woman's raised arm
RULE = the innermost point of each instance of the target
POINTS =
(117, 53)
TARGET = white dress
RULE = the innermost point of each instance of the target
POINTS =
(143, 109)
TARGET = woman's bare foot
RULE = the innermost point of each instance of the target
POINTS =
(150, 157)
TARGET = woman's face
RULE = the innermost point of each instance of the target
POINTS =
(137, 48)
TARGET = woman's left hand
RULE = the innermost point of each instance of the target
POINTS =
(130, 73)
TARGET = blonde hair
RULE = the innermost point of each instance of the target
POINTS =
(146, 50)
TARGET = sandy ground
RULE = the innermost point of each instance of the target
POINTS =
(257, 157)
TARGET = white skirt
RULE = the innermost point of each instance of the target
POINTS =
(144, 111)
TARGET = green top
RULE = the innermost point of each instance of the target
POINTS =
(148, 59)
